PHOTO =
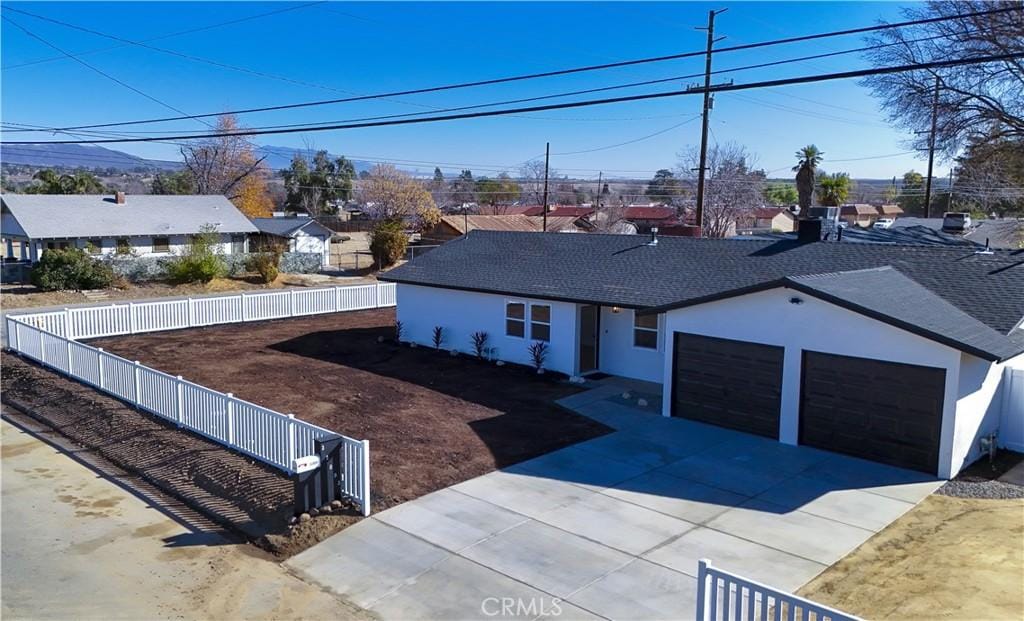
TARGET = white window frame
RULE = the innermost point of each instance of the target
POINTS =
(543, 323)
(524, 320)
(656, 330)
(166, 250)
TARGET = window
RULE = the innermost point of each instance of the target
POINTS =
(515, 319)
(540, 322)
(645, 331)
(161, 244)
(94, 246)
(123, 247)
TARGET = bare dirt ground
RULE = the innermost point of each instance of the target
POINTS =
(26, 296)
(432, 420)
(948, 558)
(84, 540)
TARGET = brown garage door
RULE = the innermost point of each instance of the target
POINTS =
(734, 384)
(882, 411)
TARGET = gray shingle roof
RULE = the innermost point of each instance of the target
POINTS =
(286, 227)
(622, 270)
(47, 216)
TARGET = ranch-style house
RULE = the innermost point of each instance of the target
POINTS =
(893, 353)
(144, 225)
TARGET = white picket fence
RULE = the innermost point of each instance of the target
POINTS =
(724, 596)
(136, 318)
(277, 439)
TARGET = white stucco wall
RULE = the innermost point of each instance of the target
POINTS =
(617, 354)
(141, 245)
(768, 317)
(461, 313)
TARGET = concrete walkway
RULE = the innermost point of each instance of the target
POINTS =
(613, 527)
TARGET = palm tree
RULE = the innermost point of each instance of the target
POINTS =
(808, 159)
(834, 189)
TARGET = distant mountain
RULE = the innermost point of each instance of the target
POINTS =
(78, 156)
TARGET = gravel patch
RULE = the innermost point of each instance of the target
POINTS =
(981, 489)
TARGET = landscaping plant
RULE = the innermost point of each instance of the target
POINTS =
(538, 354)
(266, 264)
(399, 331)
(438, 337)
(70, 269)
(202, 260)
(388, 242)
(479, 344)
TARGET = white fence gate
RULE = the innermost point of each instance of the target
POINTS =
(1011, 424)
(724, 596)
(280, 440)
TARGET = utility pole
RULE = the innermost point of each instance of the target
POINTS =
(931, 151)
(704, 125)
(597, 200)
(949, 199)
(547, 157)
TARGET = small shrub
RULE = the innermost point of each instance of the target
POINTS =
(438, 337)
(202, 261)
(388, 242)
(479, 344)
(538, 354)
(399, 331)
(70, 269)
(266, 264)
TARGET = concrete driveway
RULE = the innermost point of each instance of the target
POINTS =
(613, 527)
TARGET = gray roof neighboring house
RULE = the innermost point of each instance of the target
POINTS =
(57, 216)
(963, 287)
(289, 226)
(1000, 233)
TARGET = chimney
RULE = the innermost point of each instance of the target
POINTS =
(654, 236)
(119, 198)
(809, 230)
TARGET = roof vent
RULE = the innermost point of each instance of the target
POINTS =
(986, 250)
(119, 198)
(654, 236)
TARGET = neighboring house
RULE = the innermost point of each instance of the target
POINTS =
(647, 217)
(452, 226)
(145, 225)
(770, 219)
(891, 353)
(296, 234)
(512, 210)
(560, 224)
(890, 211)
(859, 214)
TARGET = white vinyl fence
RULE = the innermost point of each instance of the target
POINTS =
(723, 596)
(277, 439)
(136, 318)
(1011, 426)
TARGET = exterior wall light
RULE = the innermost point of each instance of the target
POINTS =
(795, 300)
(616, 310)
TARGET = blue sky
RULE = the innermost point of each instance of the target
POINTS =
(336, 49)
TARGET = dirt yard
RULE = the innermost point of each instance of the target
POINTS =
(432, 420)
(948, 558)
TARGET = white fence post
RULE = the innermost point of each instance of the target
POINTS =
(132, 319)
(231, 417)
(377, 293)
(68, 332)
(71, 367)
(42, 347)
(245, 316)
(179, 400)
(337, 299)
(291, 300)
(138, 383)
(702, 579)
(191, 313)
(99, 366)
(366, 477)
(291, 441)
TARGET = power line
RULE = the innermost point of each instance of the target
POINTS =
(576, 104)
(560, 72)
(170, 34)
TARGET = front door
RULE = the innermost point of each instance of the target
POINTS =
(590, 319)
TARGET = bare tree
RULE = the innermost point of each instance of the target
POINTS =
(610, 217)
(732, 189)
(219, 165)
(631, 193)
(531, 181)
(974, 100)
